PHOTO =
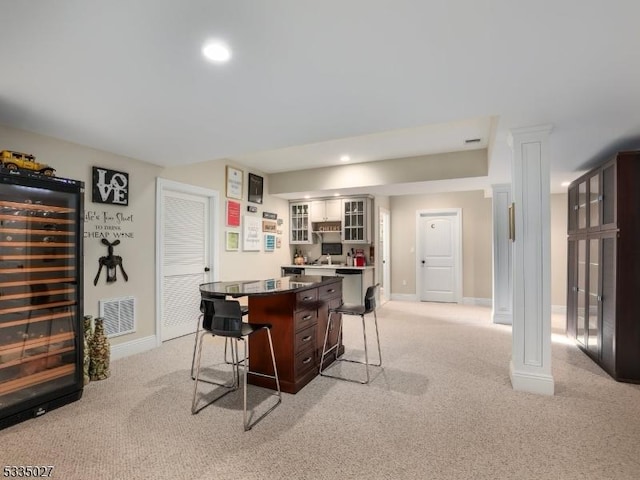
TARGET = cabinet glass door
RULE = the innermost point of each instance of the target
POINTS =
(594, 201)
(38, 292)
(609, 196)
(572, 220)
(582, 205)
(354, 226)
(571, 287)
(593, 334)
(581, 292)
(300, 222)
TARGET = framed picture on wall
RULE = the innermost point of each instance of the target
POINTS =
(232, 243)
(256, 184)
(252, 234)
(234, 177)
(269, 243)
(233, 214)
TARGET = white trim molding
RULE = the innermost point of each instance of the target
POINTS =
(132, 347)
(404, 297)
(481, 302)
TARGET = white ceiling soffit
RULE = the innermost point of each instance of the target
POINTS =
(409, 142)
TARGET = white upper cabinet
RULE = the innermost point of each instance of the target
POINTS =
(356, 221)
(326, 210)
(300, 223)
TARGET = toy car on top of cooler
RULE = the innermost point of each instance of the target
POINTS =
(15, 160)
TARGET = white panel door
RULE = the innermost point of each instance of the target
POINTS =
(185, 260)
(439, 257)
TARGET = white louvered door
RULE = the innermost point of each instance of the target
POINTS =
(185, 260)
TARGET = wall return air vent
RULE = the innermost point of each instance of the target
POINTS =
(119, 315)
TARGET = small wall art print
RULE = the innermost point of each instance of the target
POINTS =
(232, 241)
(256, 183)
(269, 243)
(252, 234)
(234, 182)
(110, 186)
(233, 213)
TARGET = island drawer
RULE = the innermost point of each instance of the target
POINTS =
(330, 291)
(304, 319)
(304, 338)
(305, 361)
(306, 297)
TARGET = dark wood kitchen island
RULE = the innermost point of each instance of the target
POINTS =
(298, 310)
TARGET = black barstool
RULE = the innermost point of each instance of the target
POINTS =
(226, 322)
(201, 319)
(360, 310)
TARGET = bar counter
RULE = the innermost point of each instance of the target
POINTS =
(297, 309)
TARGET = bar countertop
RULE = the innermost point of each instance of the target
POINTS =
(265, 287)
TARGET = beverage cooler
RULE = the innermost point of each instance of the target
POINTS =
(41, 294)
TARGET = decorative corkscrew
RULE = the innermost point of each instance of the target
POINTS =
(111, 261)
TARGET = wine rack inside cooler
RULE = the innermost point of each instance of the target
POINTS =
(40, 294)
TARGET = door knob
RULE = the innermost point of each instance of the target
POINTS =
(206, 269)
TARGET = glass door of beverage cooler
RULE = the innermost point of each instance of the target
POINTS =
(40, 293)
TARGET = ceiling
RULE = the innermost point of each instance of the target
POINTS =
(310, 81)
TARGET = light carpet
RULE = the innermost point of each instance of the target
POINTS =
(442, 408)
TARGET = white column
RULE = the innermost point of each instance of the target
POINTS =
(530, 368)
(502, 257)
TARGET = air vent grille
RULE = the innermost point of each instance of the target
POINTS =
(119, 315)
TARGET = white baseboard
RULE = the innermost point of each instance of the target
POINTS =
(139, 345)
(541, 384)
(502, 318)
(483, 302)
(404, 297)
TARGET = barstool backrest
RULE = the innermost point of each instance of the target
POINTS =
(227, 317)
(207, 308)
(370, 299)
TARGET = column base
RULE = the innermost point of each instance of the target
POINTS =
(539, 383)
(503, 318)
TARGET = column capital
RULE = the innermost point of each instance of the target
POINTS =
(528, 132)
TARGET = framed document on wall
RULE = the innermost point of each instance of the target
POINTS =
(255, 188)
(252, 234)
(234, 182)
(233, 214)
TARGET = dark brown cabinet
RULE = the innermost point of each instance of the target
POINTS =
(40, 294)
(604, 265)
(298, 322)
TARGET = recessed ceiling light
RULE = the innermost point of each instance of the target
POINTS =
(345, 158)
(336, 194)
(565, 184)
(307, 196)
(216, 52)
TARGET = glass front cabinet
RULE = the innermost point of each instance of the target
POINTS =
(356, 224)
(300, 218)
(603, 277)
(41, 338)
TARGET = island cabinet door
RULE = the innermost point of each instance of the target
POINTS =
(279, 311)
(330, 297)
